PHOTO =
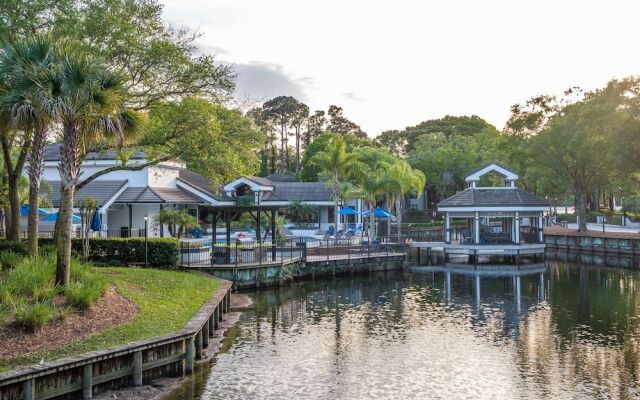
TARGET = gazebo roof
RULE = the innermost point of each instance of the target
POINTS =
(494, 198)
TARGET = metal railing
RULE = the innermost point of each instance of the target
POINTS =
(201, 253)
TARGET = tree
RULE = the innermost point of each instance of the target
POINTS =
(400, 180)
(315, 127)
(299, 209)
(86, 208)
(90, 103)
(580, 143)
(280, 111)
(299, 117)
(370, 179)
(338, 123)
(214, 141)
(335, 163)
(29, 61)
(177, 221)
(310, 171)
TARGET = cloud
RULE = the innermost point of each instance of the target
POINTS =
(351, 96)
(263, 81)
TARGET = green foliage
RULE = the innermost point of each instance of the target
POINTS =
(214, 141)
(301, 211)
(9, 260)
(176, 220)
(13, 247)
(161, 252)
(32, 317)
(631, 205)
(166, 300)
(311, 171)
(27, 290)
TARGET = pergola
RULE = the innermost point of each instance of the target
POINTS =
(495, 215)
(229, 213)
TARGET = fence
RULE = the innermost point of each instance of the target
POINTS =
(201, 253)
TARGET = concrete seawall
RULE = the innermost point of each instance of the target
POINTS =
(246, 277)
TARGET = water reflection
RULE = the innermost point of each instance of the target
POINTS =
(550, 331)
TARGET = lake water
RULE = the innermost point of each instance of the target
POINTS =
(559, 331)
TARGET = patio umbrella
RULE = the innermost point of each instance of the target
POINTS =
(24, 210)
(96, 222)
(379, 212)
(347, 211)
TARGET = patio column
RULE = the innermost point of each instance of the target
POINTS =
(447, 231)
(540, 223)
(517, 233)
(476, 228)
(273, 235)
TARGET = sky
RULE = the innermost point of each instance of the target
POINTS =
(392, 64)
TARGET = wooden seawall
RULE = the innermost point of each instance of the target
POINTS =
(121, 366)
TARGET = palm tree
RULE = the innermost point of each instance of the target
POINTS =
(89, 101)
(401, 179)
(370, 180)
(335, 163)
(32, 65)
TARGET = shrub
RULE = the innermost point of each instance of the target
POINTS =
(48, 249)
(9, 260)
(85, 287)
(33, 316)
(32, 277)
(13, 247)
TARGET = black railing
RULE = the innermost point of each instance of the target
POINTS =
(242, 253)
(77, 233)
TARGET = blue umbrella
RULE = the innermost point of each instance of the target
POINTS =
(379, 212)
(24, 210)
(347, 211)
(96, 222)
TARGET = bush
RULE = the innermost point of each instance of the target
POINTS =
(9, 260)
(32, 317)
(13, 247)
(162, 252)
(85, 287)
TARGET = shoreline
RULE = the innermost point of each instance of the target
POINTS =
(161, 387)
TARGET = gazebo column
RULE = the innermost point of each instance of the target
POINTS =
(447, 226)
(517, 232)
(540, 223)
(476, 227)
(227, 227)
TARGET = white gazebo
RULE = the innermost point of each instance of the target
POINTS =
(497, 218)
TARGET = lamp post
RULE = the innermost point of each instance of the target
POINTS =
(146, 248)
(604, 219)
(624, 216)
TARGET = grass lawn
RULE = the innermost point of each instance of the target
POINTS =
(166, 301)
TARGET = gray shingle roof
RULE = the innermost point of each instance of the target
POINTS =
(148, 194)
(261, 181)
(492, 197)
(203, 184)
(52, 153)
(101, 190)
(305, 191)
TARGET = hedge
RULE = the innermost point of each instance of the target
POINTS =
(161, 252)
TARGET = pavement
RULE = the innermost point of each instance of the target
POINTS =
(607, 228)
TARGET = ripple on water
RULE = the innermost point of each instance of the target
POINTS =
(391, 337)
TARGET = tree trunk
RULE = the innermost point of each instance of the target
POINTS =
(69, 168)
(372, 220)
(581, 211)
(13, 231)
(7, 220)
(297, 152)
(36, 165)
(399, 217)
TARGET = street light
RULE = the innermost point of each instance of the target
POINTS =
(146, 248)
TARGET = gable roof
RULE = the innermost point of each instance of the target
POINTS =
(52, 153)
(493, 197)
(305, 191)
(149, 194)
(202, 184)
(492, 167)
(101, 190)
